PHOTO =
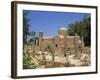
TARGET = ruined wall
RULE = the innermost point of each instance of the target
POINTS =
(59, 42)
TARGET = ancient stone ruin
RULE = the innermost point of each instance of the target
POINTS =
(60, 50)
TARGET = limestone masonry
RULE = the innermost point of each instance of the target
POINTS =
(60, 41)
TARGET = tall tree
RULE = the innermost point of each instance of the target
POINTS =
(82, 28)
(25, 26)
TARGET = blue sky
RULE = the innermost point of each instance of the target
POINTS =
(50, 22)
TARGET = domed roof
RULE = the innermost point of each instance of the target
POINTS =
(62, 28)
(60, 36)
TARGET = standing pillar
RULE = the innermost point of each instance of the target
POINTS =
(76, 46)
(53, 50)
(36, 42)
(41, 34)
(82, 45)
(65, 50)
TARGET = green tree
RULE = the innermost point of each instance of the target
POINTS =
(82, 28)
(25, 26)
(86, 30)
(34, 38)
(71, 29)
(33, 35)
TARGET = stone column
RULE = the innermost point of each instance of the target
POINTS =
(44, 58)
(65, 49)
(41, 35)
(36, 42)
(82, 45)
(53, 50)
(76, 46)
